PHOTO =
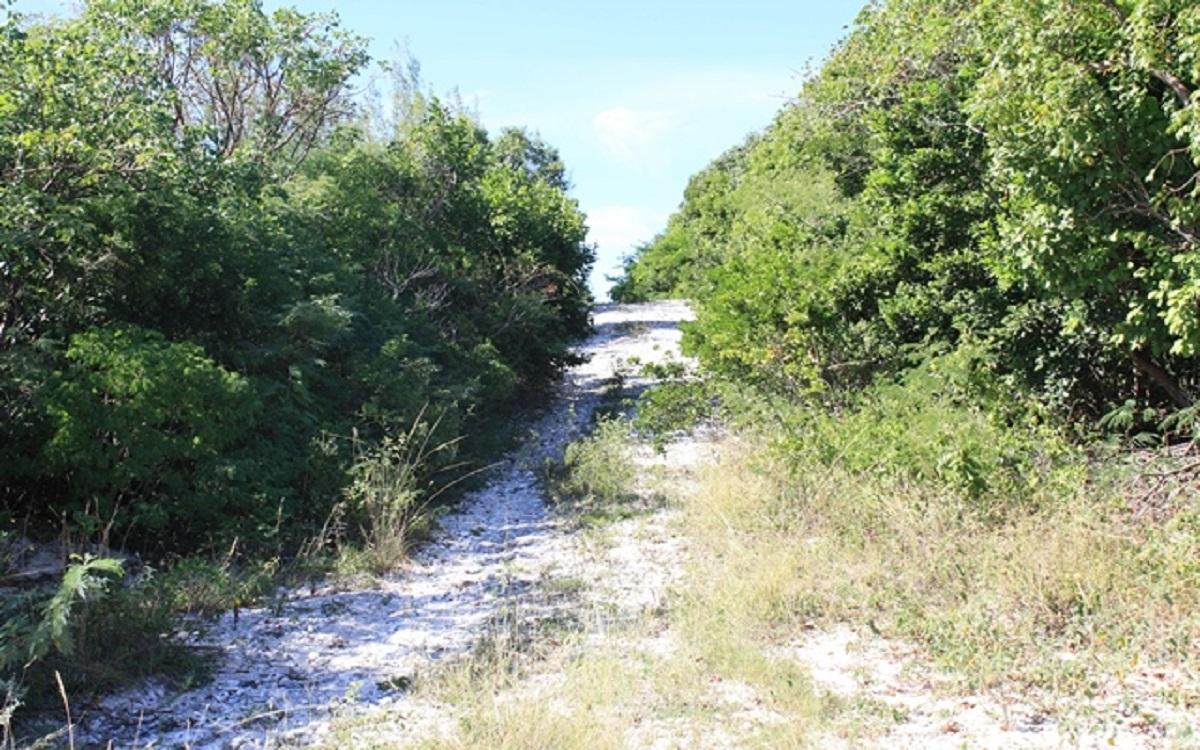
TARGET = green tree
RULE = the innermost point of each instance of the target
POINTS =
(189, 196)
(1014, 179)
(1092, 120)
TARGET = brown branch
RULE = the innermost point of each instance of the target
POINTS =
(1188, 469)
(1173, 82)
(1182, 92)
(1161, 378)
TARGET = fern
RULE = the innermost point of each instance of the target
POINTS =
(1183, 422)
(83, 580)
(32, 624)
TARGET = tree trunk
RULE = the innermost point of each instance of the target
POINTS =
(1161, 378)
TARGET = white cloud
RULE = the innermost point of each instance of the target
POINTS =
(618, 229)
(724, 88)
(626, 132)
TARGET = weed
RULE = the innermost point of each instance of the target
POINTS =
(387, 493)
(91, 633)
(597, 475)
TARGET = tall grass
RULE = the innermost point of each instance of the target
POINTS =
(1042, 577)
(390, 491)
(616, 692)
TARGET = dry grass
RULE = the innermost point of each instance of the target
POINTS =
(623, 693)
(1069, 595)
(1062, 597)
(699, 675)
(689, 677)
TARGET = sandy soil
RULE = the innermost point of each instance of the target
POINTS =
(287, 672)
(284, 670)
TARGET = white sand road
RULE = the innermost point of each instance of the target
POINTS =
(281, 669)
(286, 673)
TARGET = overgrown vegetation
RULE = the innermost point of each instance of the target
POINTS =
(231, 302)
(1030, 577)
(949, 294)
(1013, 180)
(1027, 573)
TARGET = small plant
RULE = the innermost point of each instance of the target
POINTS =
(43, 622)
(675, 406)
(38, 622)
(387, 491)
(204, 587)
(597, 474)
(85, 580)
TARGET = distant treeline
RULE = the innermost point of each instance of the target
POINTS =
(1009, 181)
(222, 283)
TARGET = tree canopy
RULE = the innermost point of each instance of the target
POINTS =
(1016, 181)
(218, 284)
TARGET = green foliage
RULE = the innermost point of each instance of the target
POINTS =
(226, 300)
(677, 403)
(597, 475)
(675, 262)
(140, 422)
(1019, 177)
(970, 242)
(33, 628)
(264, 87)
(937, 427)
(1091, 125)
(242, 284)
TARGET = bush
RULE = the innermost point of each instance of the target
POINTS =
(138, 429)
(237, 303)
(932, 428)
(597, 474)
(959, 174)
(222, 312)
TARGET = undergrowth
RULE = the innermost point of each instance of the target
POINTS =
(103, 626)
(1005, 548)
(89, 633)
(596, 480)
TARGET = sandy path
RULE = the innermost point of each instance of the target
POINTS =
(282, 671)
(345, 656)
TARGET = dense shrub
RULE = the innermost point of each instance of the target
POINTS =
(141, 422)
(239, 315)
(1019, 177)
(210, 306)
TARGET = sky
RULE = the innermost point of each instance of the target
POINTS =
(637, 96)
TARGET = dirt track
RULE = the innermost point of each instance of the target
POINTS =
(283, 670)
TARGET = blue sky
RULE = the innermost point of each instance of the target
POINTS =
(637, 96)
